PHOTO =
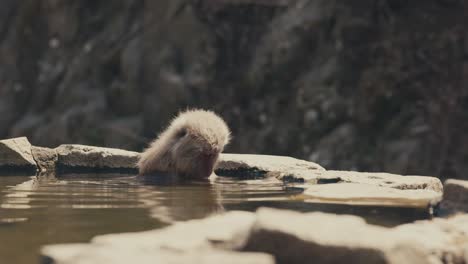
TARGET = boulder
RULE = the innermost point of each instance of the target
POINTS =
(81, 157)
(292, 237)
(15, 154)
(286, 236)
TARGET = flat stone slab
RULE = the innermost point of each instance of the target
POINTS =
(367, 194)
(402, 182)
(292, 237)
(15, 153)
(244, 165)
(280, 235)
(338, 187)
(90, 157)
(455, 198)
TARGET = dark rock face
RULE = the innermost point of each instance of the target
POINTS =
(455, 197)
(352, 86)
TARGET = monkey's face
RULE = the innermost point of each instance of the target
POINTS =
(196, 155)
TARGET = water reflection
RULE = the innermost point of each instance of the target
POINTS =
(169, 199)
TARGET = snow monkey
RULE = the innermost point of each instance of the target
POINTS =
(190, 146)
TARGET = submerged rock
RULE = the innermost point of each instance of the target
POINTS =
(455, 197)
(81, 157)
(16, 155)
(288, 236)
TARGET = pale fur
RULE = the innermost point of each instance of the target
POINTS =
(174, 151)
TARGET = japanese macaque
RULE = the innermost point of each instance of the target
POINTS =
(190, 146)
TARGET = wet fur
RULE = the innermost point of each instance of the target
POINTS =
(184, 146)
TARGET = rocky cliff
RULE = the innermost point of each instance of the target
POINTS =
(367, 85)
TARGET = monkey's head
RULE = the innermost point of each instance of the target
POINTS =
(198, 138)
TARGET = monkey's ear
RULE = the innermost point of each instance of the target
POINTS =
(181, 133)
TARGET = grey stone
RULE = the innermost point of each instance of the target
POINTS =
(292, 237)
(373, 178)
(366, 188)
(455, 197)
(443, 239)
(368, 194)
(262, 165)
(16, 153)
(81, 156)
(403, 182)
(410, 253)
(45, 158)
(288, 236)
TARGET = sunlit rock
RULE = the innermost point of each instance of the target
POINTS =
(396, 181)
(403, 182)
(329, 238)
(292, 237)
(288, 236)
(187, 242)
(339, 187)
(442, 239)
(367, 194)
(15, 154)
(76, 157)
(82, 254)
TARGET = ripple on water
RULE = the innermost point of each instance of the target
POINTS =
(73, 208)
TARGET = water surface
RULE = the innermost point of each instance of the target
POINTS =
(40, 210)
